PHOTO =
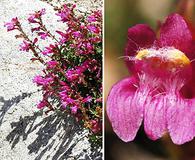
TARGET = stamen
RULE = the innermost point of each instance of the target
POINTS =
(136, 86)
(192, 60)
(129, 58)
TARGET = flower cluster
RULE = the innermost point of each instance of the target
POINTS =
(161, 90)
(72, 76)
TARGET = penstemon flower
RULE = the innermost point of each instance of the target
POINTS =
(12, 25)
(71, 79)
(161, 89)
(25, 46)
(35, 17)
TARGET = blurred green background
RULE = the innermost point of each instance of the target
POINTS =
(119, 16)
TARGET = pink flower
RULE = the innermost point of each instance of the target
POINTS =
(161, 90)
(34, 17)
(95, 16)
(66, 99)
(91, 18)
(42, 104)
(39, 80)
(99, 100)
(63, 94)
(35, 29)
(12, 25)
(89, 46)
(85, 48)
(76, 34)
(87, 99)
(64, 105)
(72, 75)
(95, 126)
(35, 40)
(48, 50)
(52, 64)
(64, 37)
(61, 33)
(42, 11)
(74, 109)
(70, 100)
(64, 16)
(65, 13)
(95, 39)
(43, 35)
(64, 86)
(25, 46)
(93, 29)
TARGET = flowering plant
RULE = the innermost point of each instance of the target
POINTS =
(71, 80)
(161, 90)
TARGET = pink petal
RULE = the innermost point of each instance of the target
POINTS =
(181, 122)
(155, 118)
(175, 33)
(123, 109)
(139, 36)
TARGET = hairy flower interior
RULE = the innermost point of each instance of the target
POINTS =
(162, 70)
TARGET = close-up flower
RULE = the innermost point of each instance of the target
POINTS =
(160, 92)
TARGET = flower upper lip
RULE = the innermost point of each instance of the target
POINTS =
(174, 33)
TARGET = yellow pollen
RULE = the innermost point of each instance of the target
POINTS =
(141, 54)
(171, 56)
(179, 57)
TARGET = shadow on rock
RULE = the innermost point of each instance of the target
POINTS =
(7, 104)
(59, 126)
